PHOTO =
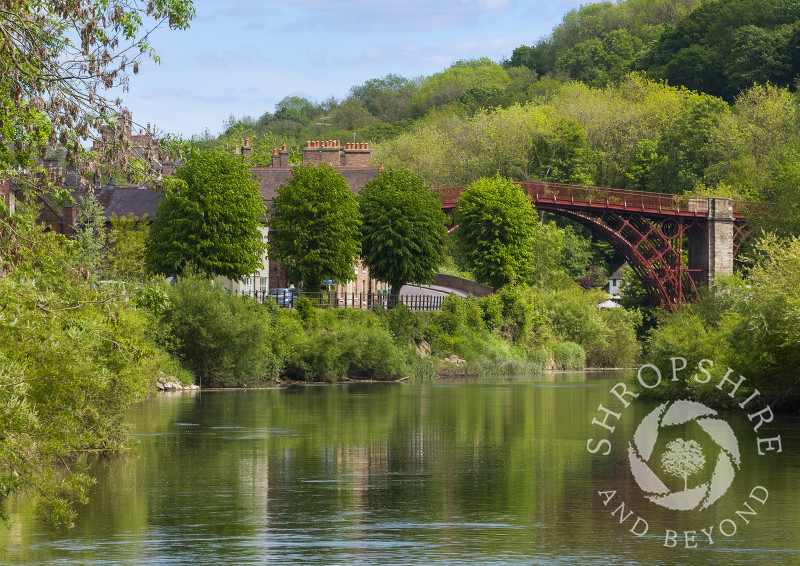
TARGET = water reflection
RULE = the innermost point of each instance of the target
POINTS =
(454, 472)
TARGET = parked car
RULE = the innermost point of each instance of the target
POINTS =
(284, 297)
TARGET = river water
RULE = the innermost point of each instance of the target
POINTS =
(488, 471)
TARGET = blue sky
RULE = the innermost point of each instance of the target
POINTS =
(243, 56)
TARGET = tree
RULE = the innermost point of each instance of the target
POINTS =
(73, 357)
(315, 224)
(126, 245)
(403, 236)
(90, 233)
(211, 223)
(387, 98)
(683, 458)
(495, 231)
(446, 87)
(59, 58)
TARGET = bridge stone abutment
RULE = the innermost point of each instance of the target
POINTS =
(711, 248)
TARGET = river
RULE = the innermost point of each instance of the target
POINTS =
(480, 471)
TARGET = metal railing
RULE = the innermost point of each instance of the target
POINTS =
(333, 299)
(559, 193)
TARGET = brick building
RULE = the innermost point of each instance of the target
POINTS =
(352, 161)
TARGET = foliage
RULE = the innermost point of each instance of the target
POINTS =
(750, 325)
(403, 232)
(569, 355)
(347, 343)
(211, 223)
(722, 48)
(315, 227)
(127, 241)
(58, 60)
(73, 358)
(387, 98)
(495, 231)
(637, 134)
(223, 339)
(608, 336)
(90, 233)
(633, 296)
(449, 85)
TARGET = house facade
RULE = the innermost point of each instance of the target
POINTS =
(615, 281)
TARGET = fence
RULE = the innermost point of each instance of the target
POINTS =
(333, 299)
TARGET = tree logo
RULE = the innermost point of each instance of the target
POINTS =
(683, 458)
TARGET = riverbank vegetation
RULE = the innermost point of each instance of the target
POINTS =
(233, 341)
(75, 353)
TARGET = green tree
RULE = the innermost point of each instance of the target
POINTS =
(315, 227)
(73, 359)
(90, 233)
(387, 98)
(126, 246)
(495, 231)
(446, 87)
(224, 339)
(211, 223)
(403, 236)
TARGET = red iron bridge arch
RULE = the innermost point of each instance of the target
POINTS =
(675, 244)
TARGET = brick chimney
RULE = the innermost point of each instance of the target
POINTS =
(311, 153)
(356, 155)
(246, 150)
(283, 157)
(6, 195)
(68, 223)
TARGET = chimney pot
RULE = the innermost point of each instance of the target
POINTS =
(246, 142)
(283, 147)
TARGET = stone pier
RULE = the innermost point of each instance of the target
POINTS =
(711, 247)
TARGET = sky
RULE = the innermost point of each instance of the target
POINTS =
(241, 57)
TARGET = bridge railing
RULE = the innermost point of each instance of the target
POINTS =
(639, 200)
(601, 196)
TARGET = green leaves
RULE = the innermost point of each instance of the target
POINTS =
(495, 231)
(73, 357)
(315, 226)
(213, 224)
(403, 236)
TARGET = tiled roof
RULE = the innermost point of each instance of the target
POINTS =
(619, 272)
(141, 201)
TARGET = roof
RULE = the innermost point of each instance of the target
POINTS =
(141, 201)
(619, 272)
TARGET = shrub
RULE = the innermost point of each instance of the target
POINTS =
(225, 340)
(491, 311)
(347, 343)
(619, 346)
(569, 355)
